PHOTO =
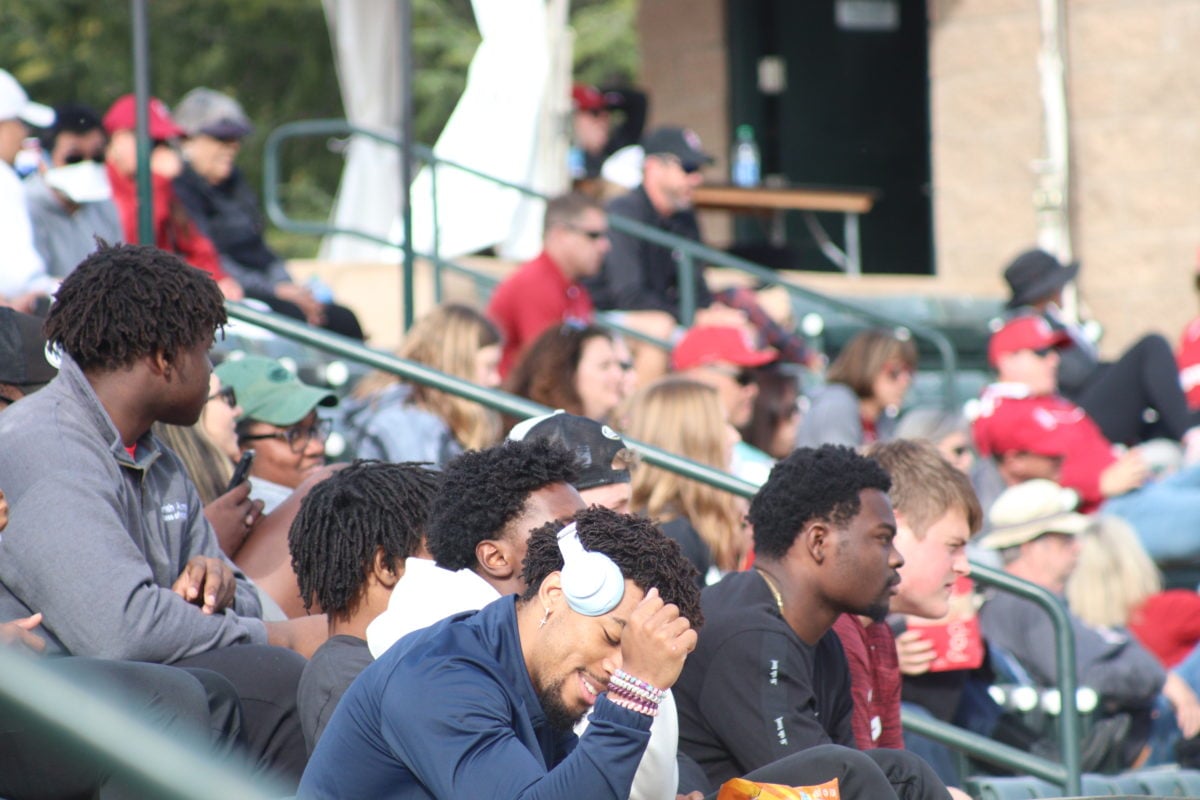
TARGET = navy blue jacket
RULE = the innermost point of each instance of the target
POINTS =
(450, 712)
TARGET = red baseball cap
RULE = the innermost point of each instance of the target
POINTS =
(1025, 333)
(708, 345)
(122, 116)
(588, 98)
(1019, 427)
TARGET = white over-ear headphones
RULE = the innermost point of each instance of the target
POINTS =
(592, 583)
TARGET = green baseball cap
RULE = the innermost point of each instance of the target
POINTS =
(269, 392)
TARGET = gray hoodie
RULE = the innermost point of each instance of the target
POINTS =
(96, 538)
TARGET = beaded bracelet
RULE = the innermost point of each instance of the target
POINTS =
(624, 700)
(639, 687)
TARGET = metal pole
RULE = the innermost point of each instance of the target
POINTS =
(406, 165)
(141, 89)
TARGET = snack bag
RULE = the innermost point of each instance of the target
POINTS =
(742, 789)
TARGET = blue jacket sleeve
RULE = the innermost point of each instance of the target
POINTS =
(460, 742)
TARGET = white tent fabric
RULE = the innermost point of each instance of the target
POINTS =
(364, 35)
(502, 126)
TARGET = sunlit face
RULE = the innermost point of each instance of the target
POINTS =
(1054, 556)
(12, 133)
(487, 366)
(279, 461)
(219, 419)
(865, 560)
(674, 181)
(598, 378)
(735, 387)
(212, 158)
(1036, 369)
(615, 496)
(580, 246)
(575, 656)
(892, 384)
(931, 564)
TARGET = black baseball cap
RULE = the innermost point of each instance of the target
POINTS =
(594, 444)
(683, 143)
(23, 358)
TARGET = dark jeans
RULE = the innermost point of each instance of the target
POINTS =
(1145, 376)
(266, 680)
(338, 319)
(35, 764)
(862, 775)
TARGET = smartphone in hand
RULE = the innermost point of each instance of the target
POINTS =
(241, 471)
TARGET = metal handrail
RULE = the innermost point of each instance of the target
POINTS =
(1070, 773)
(492, 398)
(154, 764)
(690, 251)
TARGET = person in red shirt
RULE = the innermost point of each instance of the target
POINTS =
(1033, 432)
(546, 291)
(174, 230)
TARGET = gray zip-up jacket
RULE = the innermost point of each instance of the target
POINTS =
(96, 538)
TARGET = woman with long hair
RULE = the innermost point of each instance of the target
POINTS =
(864, 388)
(685, 418)
(1115, 585)
(573, 367)
(395, 421)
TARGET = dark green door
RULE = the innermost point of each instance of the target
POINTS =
(854, 113)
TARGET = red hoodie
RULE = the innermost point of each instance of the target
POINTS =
(174, 230)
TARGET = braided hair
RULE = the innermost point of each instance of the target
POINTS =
(124, 302)
(349, 517)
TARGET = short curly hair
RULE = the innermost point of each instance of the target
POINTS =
(481, 491)
(346, 519)
(644, 553)
(811, 484)
(127, 301)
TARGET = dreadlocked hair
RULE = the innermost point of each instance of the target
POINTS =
(483, 490)
(126, 301)
(644, 554)
(349, 517)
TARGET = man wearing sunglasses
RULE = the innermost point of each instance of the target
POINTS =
(547, 291)
(279, 422)
(1031, 431)
(640, 278)
(70, 202)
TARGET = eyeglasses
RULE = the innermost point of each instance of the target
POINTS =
(225, 394)
(593, 235)
(296, 437)
(78, 158)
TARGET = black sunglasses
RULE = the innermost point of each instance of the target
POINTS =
(227, 394)
(593, 235)
(78, 158)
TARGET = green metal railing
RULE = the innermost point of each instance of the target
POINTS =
(492, 398)
(84, 726)
(1068, 774)
(691, 253)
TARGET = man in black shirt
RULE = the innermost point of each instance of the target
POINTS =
(768, 678)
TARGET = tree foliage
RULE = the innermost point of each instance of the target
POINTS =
(275, 57)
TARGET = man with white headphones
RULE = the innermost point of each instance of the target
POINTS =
(482, 704)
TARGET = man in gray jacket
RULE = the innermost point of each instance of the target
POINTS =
(107, 536)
